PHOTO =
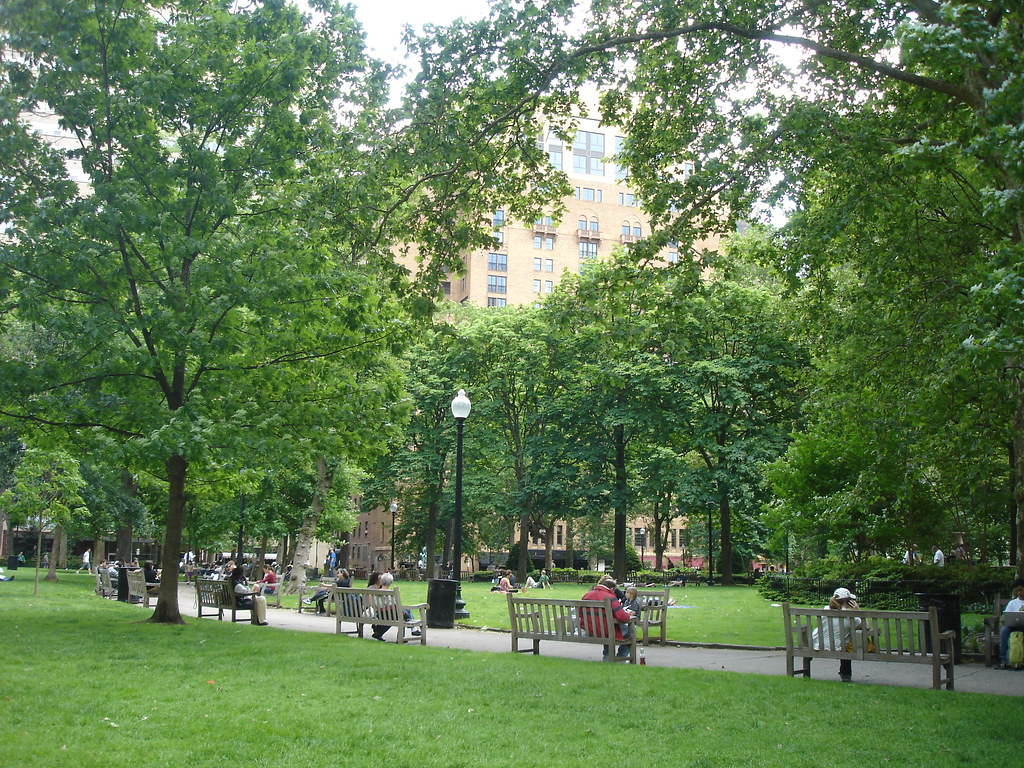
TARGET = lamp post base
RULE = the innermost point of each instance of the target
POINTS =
(460, 604)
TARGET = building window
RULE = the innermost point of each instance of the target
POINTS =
(496, 283)
(673, 257)
(687, 169)
(625, 228)
(627, 198)
(366, 529)
(549, 243)
(498, 262)
(558, 535)
(582, 224)
(549, 265)
(620, 169)
(672, 538)
(545, 221)
(499, 218)
(492, 301)
(536, 263)
(536, 286)
(537, 241)
(498, 235)
(588, 250)
(588, 153)
(637, 231)
(549, 286)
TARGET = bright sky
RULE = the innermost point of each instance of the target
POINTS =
(383, 20)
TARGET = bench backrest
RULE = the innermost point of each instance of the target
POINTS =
(136, 584)
(356, 602)
(654, 601)
(215, 593)
(863, 634)
(582, 620)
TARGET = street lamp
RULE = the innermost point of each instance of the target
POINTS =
(393, 508)
(643, 545)
(460, 410)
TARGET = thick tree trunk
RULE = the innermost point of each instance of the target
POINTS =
(431, 539)
(58, 534)
(620, 567)
(307, 529)
(570, 549)
(167, 609)
(62, 550)
(524, 547)
(725, 535)
(1018, 491)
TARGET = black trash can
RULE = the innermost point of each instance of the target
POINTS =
(441, 603)
(948, 609)
(122, 585)
(12, 562)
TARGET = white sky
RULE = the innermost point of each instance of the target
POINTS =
(383, 20)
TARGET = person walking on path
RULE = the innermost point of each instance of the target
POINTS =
(938, 558)
(86, 557)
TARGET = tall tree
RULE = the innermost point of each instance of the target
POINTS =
(191, 291)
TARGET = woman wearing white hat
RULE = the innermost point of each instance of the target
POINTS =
(837, 633)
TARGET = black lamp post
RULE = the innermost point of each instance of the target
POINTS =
(393, 509)
(643, 547)
(460, 410)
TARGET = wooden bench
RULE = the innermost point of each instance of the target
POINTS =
(139, 588)
(217, 594)
(990, 640)
(537, 618)
(104, 587)
(380, 607)
(653, 614)
(891, 636)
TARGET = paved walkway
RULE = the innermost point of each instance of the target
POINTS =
(973, 678)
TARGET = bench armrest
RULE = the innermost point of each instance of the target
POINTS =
(417, 607)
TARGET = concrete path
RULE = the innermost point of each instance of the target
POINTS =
(972, 678)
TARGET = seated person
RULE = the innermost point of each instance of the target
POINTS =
(1016, 604)
(384, 581)
(631, 605)
(268, 584)
(4, 577)
(591, 620)
(246, 598)
(320, 596)
(152, 577)
(504, 583)
(530, 584)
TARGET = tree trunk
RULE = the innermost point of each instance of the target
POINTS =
(1018, 491)
(62, 550)
(725, 535)
(58, 534)
(524, 547)
(620, 567)
(570, 550)
(431, 539)
(167, 609)
(304, 541)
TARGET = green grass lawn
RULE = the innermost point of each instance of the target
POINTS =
(86, 683)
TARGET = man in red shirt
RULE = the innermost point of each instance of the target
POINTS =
(593, 620)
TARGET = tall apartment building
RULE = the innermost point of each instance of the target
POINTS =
(532, 257)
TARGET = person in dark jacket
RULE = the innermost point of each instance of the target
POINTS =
(593, 620)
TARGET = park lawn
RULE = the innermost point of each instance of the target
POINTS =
(727, 615)
(86, 683)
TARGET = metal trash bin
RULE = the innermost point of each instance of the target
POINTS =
(947, 607)
(441, 603)
(12, 562)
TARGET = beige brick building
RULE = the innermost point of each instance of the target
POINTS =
(532, 257)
